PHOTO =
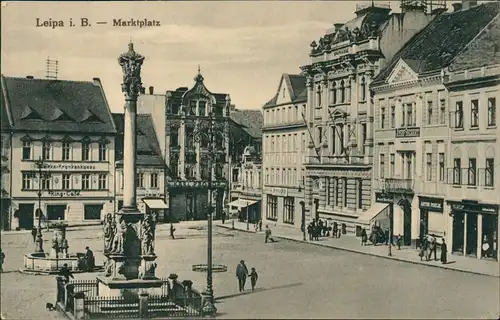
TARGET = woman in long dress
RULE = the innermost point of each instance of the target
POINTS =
(444, 251)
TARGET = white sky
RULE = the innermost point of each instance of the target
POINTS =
(242, 47)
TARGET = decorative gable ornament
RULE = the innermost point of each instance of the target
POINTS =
(47, 139)
(104, 140)
(402, 72)
(197, 90)
(26, 138)
(67, 139)
(86, 139)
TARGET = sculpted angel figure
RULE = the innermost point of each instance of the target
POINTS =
(131, 63)
(109, 232)
(148, 230)
(119, 238)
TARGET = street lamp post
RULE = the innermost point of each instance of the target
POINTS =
(202, 132)
(39, 164)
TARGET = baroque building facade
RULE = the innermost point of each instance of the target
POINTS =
(284, 148)
(435, 133)
(340, 113)
(178, 116)
(68, 126)
(150, 171)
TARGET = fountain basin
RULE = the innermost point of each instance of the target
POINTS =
(43, 263)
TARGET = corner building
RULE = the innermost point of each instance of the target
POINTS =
(340, 112)
(284, 148)
(176, 116)
(431, 131)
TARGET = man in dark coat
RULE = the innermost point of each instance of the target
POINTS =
(444, 251)
(432, 249)
(172, 229)
(89, 259)
(33, 233)
(65, 272)
(241, 274)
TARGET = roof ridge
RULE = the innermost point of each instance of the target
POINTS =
(44, 79)
(473, 39)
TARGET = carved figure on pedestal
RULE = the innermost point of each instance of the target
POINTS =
(109, 232)
(119, 238)
(108, 267)
(148, 233)
(147, 269)
(131, 65)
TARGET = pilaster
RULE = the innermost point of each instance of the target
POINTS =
(308, 192)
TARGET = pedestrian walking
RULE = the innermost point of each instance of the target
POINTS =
(399, 239)
(309, 231)
(172, 230)
(444, 251)
(223, 217)
(89, 259)
(253, 277)
(33, 233)
(364, 237)
(268, 234)
(2, 259)
(260, 225)
(65, 272)
(241, 275)
(432, 249)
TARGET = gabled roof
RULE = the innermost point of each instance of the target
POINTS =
(447, 36)
(56, 105)
(250, 120)
(296, 85)
(148, 147)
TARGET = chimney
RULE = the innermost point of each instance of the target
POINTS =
(151, 90)
(29, 77)
(466, 4)
(96, 81)
(457, 6)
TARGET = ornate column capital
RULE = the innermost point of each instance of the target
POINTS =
(131, 63)
(309, 82)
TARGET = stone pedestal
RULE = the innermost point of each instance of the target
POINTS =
(121, 288)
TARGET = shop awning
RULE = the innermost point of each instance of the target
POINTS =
(155, 203)
(375, 210)
(241, 203)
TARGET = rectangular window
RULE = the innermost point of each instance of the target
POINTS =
(403, 116)
(489, 173)
(236, 173)
(103, 181)
(320, 134)
(92, 211)
(429, 112)
(66, 181)
(26, 181)
(428, 165)
(334, 141)
(393, 164)
(174, 137)
(26, 150)
(85, 181)
(272, 208)
(441, 167)
(409, 114)
(382, 166)
(382, 118)
(337, 191)
(492, 112)
(472, 172)
(85, 151)
(474, 113)
(288, 210)
(139, 182)
(344, 193)
(154, 180)
(202, 108)
(205, 170)
(442, 111)
(102, 152)
(46, 150)
(457, 176)
(360, 194)
(192, 108)
(66, 151)
(174, 168)
(46, 183)
(409, 166)
(459, 115)
(393, 116)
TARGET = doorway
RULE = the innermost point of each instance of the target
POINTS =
(407, 224)
(471, 248)
(26, 212)
(424, 223)
(458, 232)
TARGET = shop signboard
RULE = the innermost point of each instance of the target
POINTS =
(474, 207)
(431, 204)
(383, 198)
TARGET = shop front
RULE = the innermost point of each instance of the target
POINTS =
(474, 229)
(387, 221)
(431, 217)
(158, 206)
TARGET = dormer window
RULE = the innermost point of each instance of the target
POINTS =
(202, 108)
(192, 108)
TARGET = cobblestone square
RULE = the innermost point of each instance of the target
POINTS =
(295, 280)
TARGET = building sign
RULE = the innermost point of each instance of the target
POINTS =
(68, 193)
(341, 52)
(383, 198)
(66, 166)
(474, 207)
(431, 204)
(408, 132)
(280, 191)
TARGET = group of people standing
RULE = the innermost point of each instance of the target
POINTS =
(428, 248)
(320, 228)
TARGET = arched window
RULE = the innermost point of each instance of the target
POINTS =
(363, 89)
(318, 94)
(342, 91)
